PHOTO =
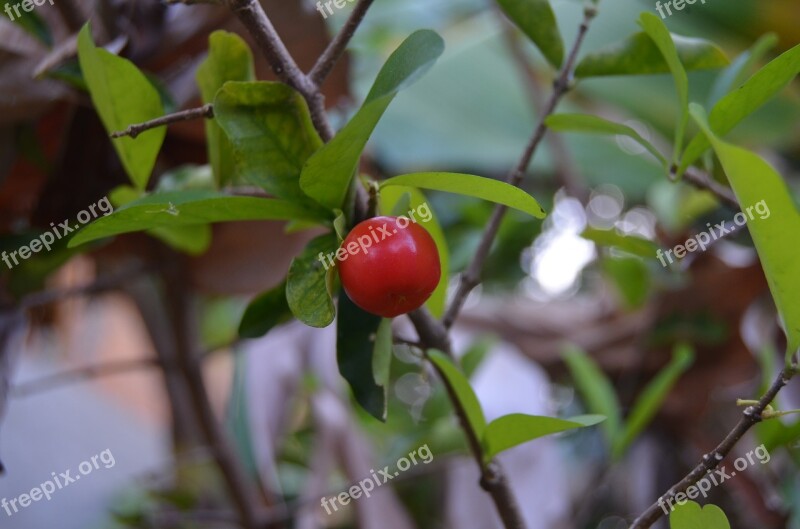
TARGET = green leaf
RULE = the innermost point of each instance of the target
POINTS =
(631, 277)
(33, 24)
(186, 208)
(512, 430)
(229, 59)
(628, 243)
(536, 19)
(411, 199)
(737, 73)
(123, 96)
(471, 185)
(460, 387)
(638, 55)
(356, 343)
(597, 125)
(307, 290)
(777, 236)
(270, 129)
(752, 95)
(193, 240)
(651, 398)
(266, 311)
(382, 356)
(662, 38)
(691, 516)
(327, 175)
(596, 390)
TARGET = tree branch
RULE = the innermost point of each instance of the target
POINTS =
(471, 277)
(336, 47)
(702, 180)
(750, 417)
(205, 111)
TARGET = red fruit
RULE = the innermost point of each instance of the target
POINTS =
(389, 265)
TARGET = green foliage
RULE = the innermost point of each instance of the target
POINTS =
(265, 312)
(597, 125)
(229, 59)
(382, 356)
(460, 387)
(631, 277)
(474, 186)
(356, 344)
(307, 289)
(691, 516)
(517, 428)
(327, 175)
(628, 243)
(742, 102)
(776, 237)
(536, 19)
(122, 96)
(739, 70)
(596, 390)
(272, 135)
(33, 24)
(639, 55)
(187, 208)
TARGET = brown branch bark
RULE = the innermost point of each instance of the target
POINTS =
(205, 111)
(750, 417)
(702, 180)
(471, 277)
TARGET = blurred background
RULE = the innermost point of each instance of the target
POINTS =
(88, 343)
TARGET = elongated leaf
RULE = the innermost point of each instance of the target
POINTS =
(649, 402)
(596, 390)
(382, 356)
(597, 125)
(657, 30)
(515, 429)
(270, 129)
(186, 208)
(391, 198)
(33, 24)
(307, 291)
(327, 175)
(691, 515)
(628, 243)
(536, 19)
(775, 227)
(229, 59)
(631, 277)
(638, 55)
(265, 312)
(471, 185)
(739, 70)
(123, 96)
(752, 95)
(462, 390)
(356, 332)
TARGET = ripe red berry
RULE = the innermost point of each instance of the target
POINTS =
(389, 265)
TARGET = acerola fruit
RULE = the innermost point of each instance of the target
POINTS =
(389, 265)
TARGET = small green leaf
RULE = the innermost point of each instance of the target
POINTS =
(662, 38)
(536, 19)
(653, 395)
(123, 96)
(471, 185)
(597, 125)
(745, 100)
(462, 390)
(356, 343)
(739, 70)
(638, 55)
(270, 129)
(186, 208)
(596, 390)
(515, 429)
(229, 59)
(775, 227)
(307, 291)
(631, 278)
(382, 356)
(628, 243)
(691, 516)
(327, 175)
(265, 312)
(400, 200)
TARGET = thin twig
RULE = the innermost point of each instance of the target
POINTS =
(336, 47)
(471, 277)
(80, 374)
(751, 416)
(205, 111)
(702, 180)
